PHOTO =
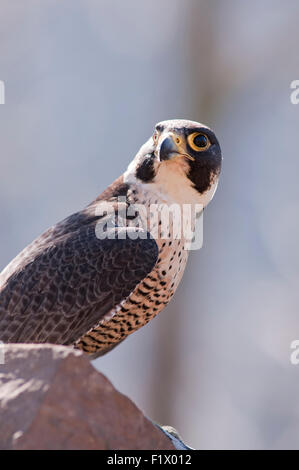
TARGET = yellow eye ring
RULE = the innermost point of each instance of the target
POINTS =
(198, 141)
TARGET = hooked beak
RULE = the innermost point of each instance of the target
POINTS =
(169, 149)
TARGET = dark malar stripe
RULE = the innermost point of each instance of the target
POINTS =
(146, 170)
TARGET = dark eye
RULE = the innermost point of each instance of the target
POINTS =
(198, 141)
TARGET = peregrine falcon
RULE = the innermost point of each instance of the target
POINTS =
(74, 286)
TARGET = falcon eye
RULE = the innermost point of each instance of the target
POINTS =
(155, 137)
(198, 141)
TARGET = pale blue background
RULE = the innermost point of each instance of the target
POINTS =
(85, 83)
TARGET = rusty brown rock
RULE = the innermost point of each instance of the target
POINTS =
(51, 397)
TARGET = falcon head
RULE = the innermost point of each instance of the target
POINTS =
(181, 161)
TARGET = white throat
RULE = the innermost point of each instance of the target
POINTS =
(171, 184)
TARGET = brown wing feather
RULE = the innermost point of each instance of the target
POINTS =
(68, 279)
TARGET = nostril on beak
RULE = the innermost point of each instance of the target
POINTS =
(167, 148)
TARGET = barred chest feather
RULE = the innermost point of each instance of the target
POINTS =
(152, 294)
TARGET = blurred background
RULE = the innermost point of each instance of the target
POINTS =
(85, 83)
